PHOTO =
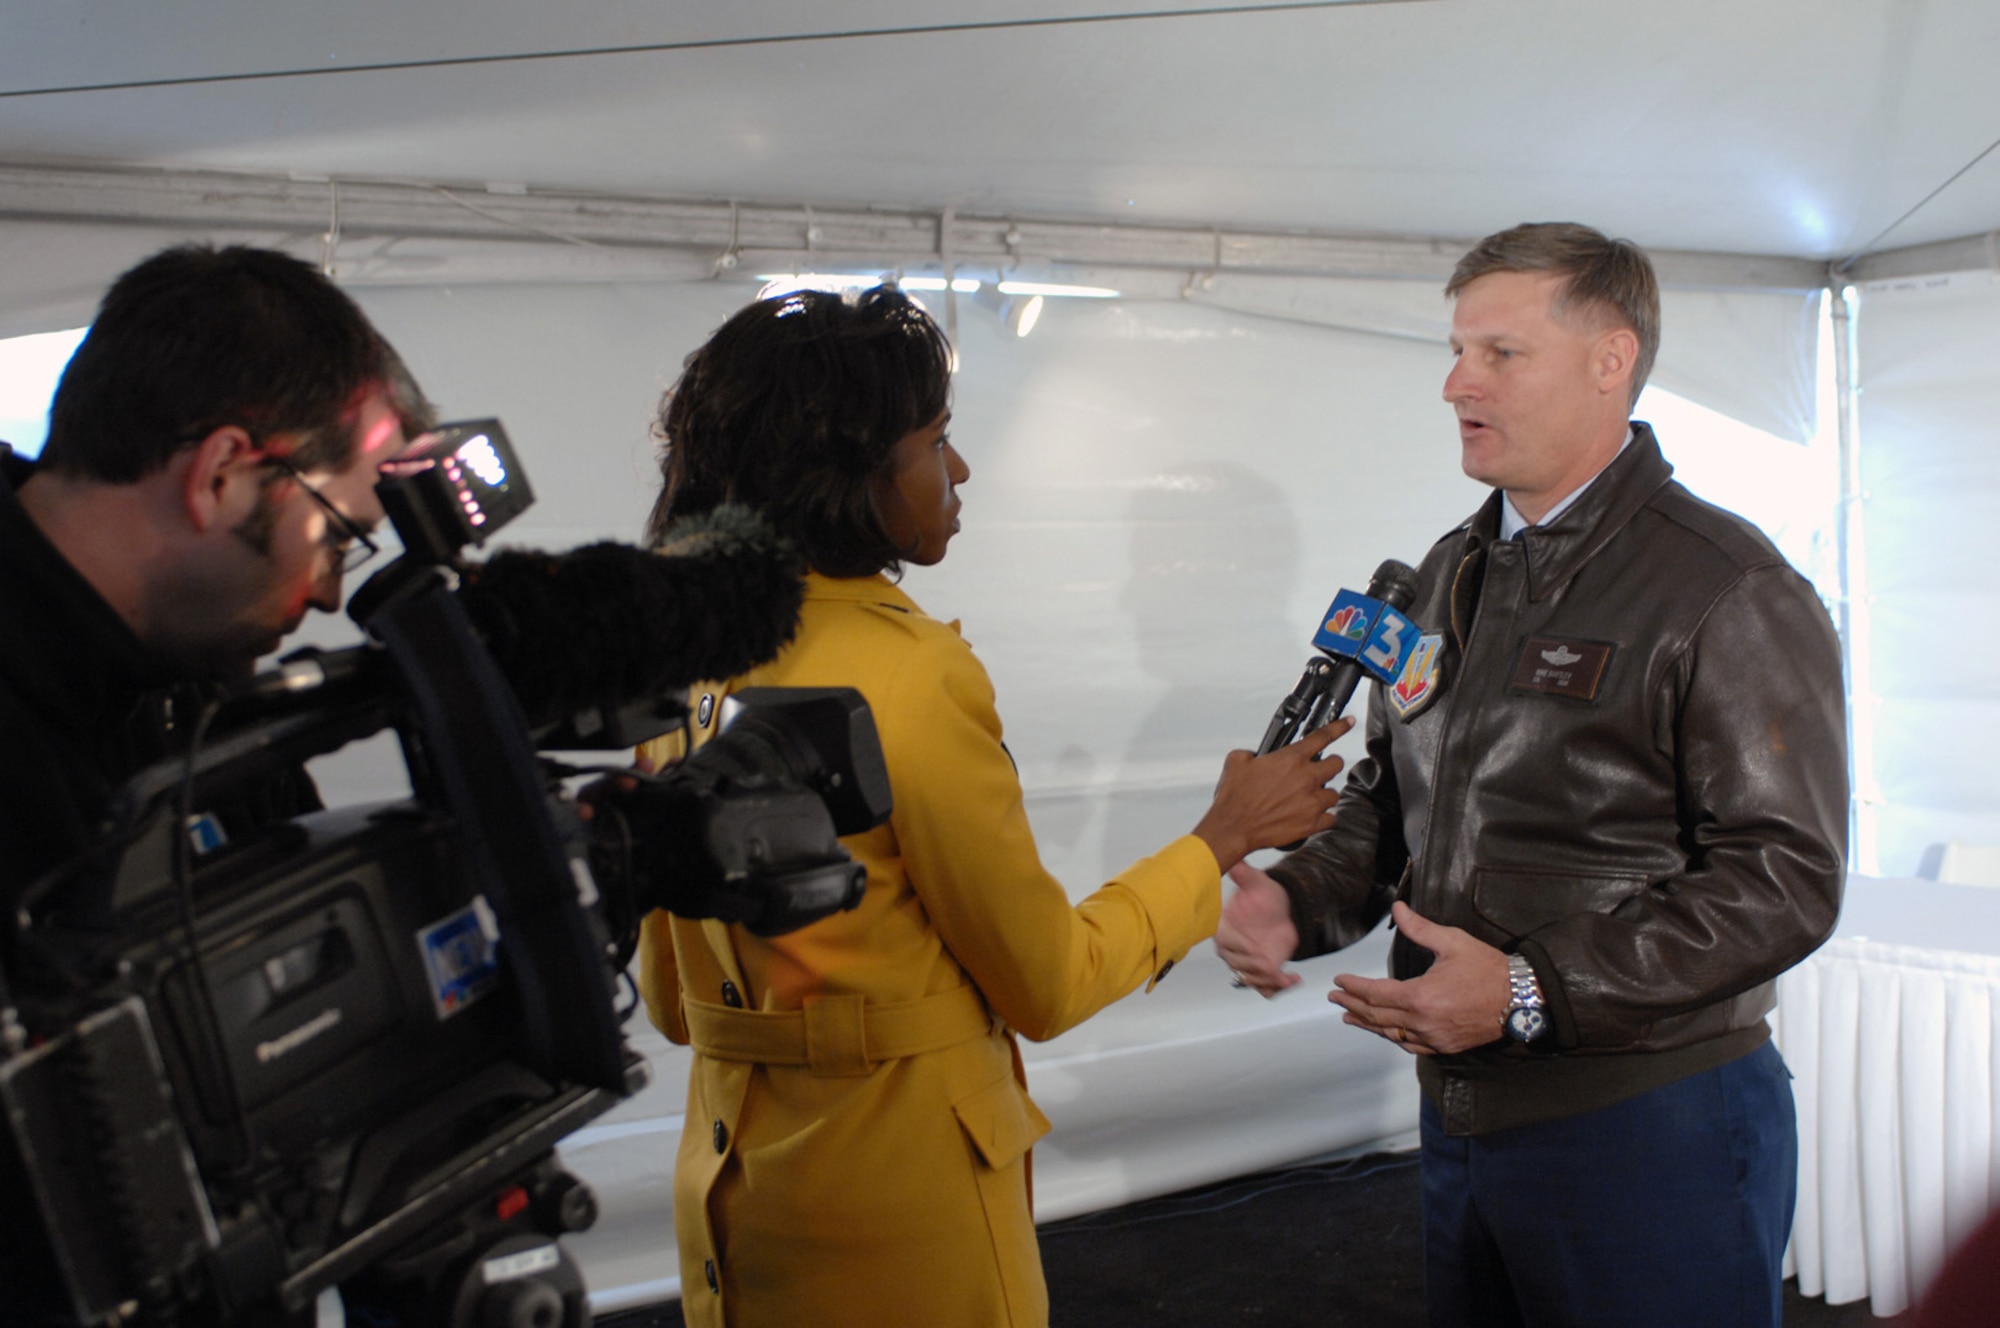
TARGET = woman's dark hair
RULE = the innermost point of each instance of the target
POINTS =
(792, 409)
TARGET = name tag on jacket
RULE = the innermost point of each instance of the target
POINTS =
(1562, 668)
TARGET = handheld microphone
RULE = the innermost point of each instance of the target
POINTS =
(1359, 634)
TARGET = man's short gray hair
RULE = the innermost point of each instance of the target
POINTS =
(1600, 273)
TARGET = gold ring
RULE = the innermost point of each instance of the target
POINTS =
(1401, 1035)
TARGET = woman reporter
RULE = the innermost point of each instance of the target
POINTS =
(858, 1126)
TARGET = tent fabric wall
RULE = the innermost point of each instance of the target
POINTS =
(1930, 482)
(1747, 354)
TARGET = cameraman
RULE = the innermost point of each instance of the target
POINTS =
(209, 476)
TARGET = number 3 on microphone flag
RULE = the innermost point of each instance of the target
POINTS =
(1389, 644)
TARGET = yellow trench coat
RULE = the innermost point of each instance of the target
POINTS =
(824, 1185)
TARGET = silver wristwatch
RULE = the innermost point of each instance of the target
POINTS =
(1527, 1019)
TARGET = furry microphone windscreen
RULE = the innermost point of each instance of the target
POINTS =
(612, 623)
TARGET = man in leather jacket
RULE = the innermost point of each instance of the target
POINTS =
(1607, 799)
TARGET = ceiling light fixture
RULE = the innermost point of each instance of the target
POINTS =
(1018, 304)
(1019, 312)
(784, 283)
(1058, 292)
(779, 282)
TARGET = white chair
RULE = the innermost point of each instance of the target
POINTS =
(1969, 864)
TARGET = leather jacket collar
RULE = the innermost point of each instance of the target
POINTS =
(1557, 552)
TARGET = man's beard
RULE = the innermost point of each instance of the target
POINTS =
(195, 642)
(259, 529)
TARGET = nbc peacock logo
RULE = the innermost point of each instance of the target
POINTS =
(1349, 622)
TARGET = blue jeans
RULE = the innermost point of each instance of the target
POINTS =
(1671, 1209)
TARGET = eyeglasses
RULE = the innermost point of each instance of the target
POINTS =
(353, 547)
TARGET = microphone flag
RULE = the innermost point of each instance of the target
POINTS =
(1368, 631)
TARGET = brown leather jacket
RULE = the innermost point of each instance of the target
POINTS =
(1630, 766)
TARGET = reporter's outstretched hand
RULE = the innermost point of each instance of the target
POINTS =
(1265, 801)
(1257, 935)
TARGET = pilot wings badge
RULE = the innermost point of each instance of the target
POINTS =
(1419, 683)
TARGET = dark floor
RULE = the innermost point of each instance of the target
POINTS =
(1317, 1247)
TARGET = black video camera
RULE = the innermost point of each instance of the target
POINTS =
(340, 1050)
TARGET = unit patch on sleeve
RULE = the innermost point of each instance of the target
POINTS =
(1562, 668)
(1419, 683)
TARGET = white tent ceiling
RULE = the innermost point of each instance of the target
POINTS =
(1784, 127)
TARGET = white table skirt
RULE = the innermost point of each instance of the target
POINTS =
(1894, 1049)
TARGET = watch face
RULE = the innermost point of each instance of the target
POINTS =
(1525, 1023)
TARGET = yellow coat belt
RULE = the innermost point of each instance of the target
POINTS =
(838, 1035)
